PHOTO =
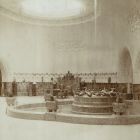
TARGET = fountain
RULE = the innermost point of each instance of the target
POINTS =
(100, 108)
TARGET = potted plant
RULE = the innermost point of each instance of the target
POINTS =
(51, 103)
(10, 99)
(119, 107)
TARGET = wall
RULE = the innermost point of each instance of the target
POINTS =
(27, 48)
(135, 39)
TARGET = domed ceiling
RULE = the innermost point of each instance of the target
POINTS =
(49, 11)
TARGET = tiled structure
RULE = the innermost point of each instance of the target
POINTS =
(30, 85)
(69, 82)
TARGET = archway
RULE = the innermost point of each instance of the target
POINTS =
(137, 63)
(3, 77)
(0, 83)
(125, 70)
(137, 76)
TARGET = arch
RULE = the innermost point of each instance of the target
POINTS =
(0, 82)
(3, 76)
(3, 71)
(137, 68)
(137, 62)
(137, 76)
(125, 67)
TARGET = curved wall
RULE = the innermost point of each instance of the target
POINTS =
(32, 48)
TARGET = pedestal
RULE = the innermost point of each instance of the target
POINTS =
(93, 105)
(10, 101)
(119, 108)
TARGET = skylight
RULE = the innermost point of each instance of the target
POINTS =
(52, 8)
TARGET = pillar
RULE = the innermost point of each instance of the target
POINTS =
(128, 88)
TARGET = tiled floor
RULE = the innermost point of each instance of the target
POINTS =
(18, 129)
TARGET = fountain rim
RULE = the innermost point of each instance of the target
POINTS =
(71, 118)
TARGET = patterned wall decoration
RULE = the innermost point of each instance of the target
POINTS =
(134, 19)
(46, 77)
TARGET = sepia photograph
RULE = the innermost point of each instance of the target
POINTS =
(69, 69)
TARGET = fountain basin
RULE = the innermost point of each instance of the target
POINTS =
(38, 111)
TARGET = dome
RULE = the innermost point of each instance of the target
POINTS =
(50, 10)
(53, 9)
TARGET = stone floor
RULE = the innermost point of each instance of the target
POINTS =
(19, 129)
